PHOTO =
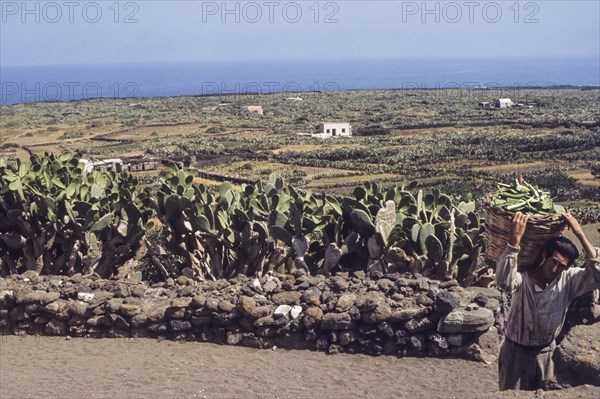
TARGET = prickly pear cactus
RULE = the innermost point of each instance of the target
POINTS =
(52, 215)
(385, 221)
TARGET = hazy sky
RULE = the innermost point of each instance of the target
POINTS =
(87, 32)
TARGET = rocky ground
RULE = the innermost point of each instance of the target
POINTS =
(83, 336)
(55, 367)
(394, 314)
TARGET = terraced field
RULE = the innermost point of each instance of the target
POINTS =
(437, 137)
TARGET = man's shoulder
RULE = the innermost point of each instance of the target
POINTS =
(573, 271)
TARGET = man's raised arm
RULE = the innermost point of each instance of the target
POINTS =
(507, 276)
(588, 279)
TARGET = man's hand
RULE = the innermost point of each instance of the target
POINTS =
(573, 224)
(575, 227)
(518, 224)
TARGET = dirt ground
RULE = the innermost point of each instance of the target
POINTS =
(46, 367)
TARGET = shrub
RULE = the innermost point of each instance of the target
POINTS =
(373, 130)
(71, 135)
(215, 129)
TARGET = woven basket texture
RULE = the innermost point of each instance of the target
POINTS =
(537, 232)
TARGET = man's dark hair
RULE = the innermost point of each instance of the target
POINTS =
(563, 246)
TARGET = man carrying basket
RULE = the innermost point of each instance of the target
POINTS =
(540, 300)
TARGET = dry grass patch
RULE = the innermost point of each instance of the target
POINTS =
(263, 168)
(237, 168)
(314, 147)
(437, 179)
(585, 178)
(43, 136)
(7, 135)
(148, 132)
(212, 183)
(324, 180)
(298, 148)
(133, 153)
(457, 162)
(14, 153)
(48, 147)
(521, 167)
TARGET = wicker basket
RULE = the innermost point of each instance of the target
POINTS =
(537, 232)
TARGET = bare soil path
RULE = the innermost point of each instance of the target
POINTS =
(46, 367)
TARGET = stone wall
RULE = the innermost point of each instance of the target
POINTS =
(394, 315)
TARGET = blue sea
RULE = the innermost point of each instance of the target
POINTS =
(75, 82)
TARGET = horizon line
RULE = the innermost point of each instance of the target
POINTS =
(490, 89)
(288, 60)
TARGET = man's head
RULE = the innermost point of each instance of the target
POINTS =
(558, 255)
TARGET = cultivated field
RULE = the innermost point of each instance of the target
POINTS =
(437, 137)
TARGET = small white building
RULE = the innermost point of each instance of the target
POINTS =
(253, 109)
(332, 129)
(88, 165)
(503, 103)
(106, 165)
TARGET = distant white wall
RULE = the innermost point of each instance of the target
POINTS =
(335, 129)
(504, 103)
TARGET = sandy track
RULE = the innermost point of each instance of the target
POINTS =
(143, 368)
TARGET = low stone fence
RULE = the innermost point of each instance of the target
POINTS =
(395, 315)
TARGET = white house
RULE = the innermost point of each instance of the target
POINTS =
(253, 109)
(503, 103)
(331, 129)
(88, 165)
(106, 165)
